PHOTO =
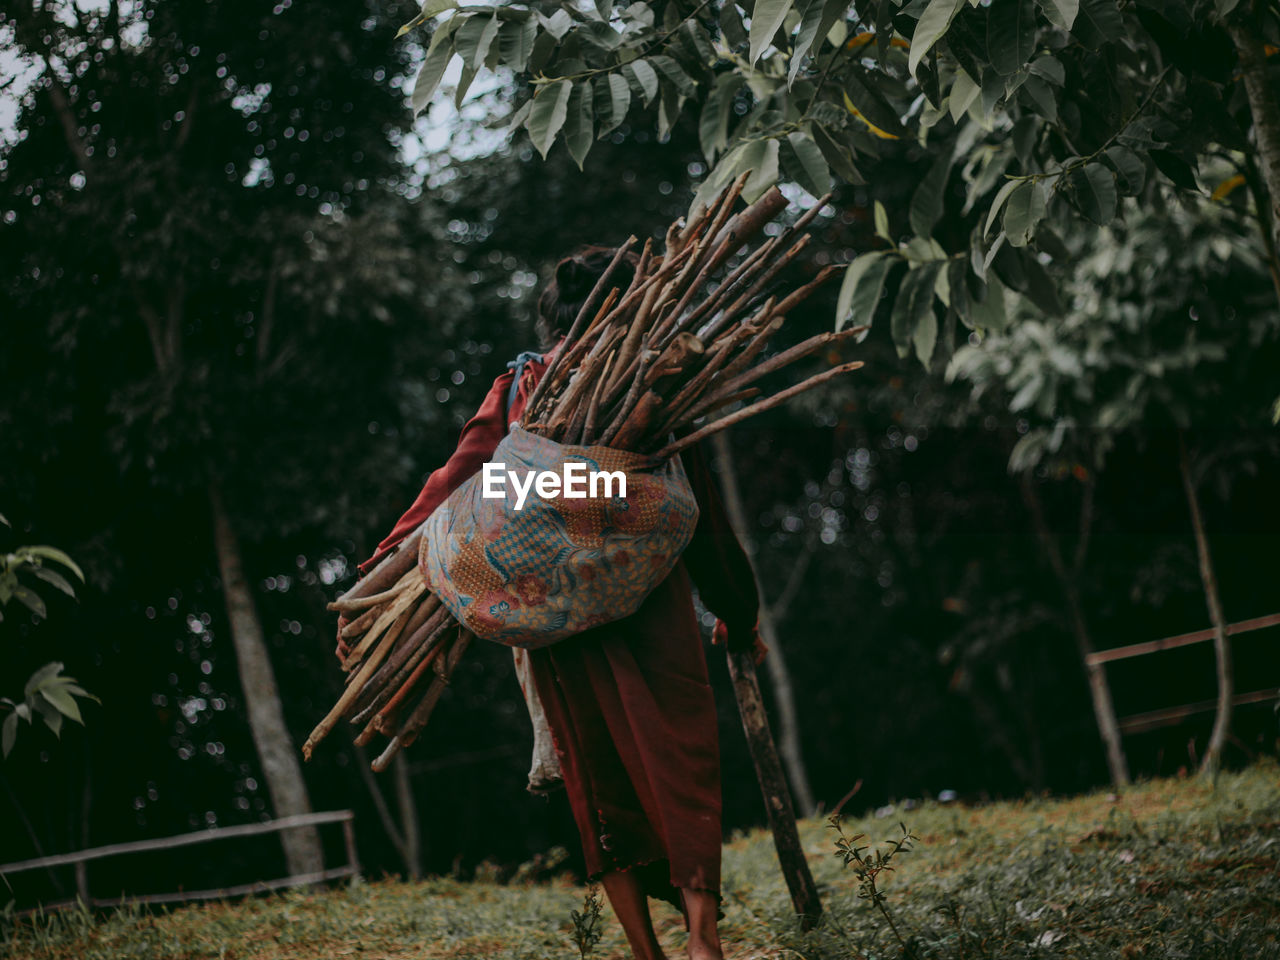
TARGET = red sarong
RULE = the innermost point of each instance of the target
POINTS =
(628, 703)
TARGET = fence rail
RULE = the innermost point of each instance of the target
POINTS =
(1181, 640)
(80, 858)
(1154, 719)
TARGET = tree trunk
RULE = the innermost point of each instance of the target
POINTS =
(1221, 648)
(277, 754)
(410, 829)
(777, 799)
(1264, 104)
(779, 675)
(1104, 711)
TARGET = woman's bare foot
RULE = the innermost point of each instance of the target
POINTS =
(700, 915)
(632, 910)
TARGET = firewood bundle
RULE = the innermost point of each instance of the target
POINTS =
(641, 369)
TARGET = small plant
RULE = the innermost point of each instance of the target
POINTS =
(49, 695)
(586, 922)
(868, 863)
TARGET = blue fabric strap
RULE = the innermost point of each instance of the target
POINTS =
(518, 366)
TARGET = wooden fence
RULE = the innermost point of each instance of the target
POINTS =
(81, 858)
(1155, 719)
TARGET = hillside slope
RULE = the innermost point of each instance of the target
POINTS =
(1172, 868)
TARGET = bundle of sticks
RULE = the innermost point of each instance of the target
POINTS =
(641, 369)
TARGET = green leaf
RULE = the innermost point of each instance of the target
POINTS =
(695, 38)
(558, 24)
(806, 165)
(1050, 69)
(1175, 168)
(989, 313)
(473, 39)
(464, 84)
(963, 92)
(915, 298)
(547, 116)
(927, 201)
(860, 268)
(760, 157)
(810, 17)
(1024, 209)
(1130, 170)
(430, 10)
(998, 203)
(62, 700)
(816, 19)
(882, 222)
(41, 677)
(1099, 22)
(766, 18)
(675, 73)
(925, 337)
(839, 158)
(5, 520)
(713, 125)
(871, 103)
(1061, 13)
(670, 103)
(578, 127)
(30, 599)
(613, 100)
(870, 290)
(50, 714)
(644, 77)
(53, 553)
(1011, 34)
(53, 577)
(515, 43)
(735, 34)
(429, 75)
(1093, 190)
(932, 25)
(10, 733)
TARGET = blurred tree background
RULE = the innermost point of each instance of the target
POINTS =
(247, 303)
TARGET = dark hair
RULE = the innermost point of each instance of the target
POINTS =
(575, 276)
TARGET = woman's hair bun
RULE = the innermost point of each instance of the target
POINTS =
(575, 279)
(576, 275)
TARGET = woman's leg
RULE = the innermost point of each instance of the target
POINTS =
(700, 907)
(632, 909)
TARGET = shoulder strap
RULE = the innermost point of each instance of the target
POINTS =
(518, 365)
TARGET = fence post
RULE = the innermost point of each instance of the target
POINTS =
(349, 840)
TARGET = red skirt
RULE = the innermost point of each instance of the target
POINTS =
(634, 723)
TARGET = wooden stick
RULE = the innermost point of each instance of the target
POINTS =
(344, 605)
(348, 695)
(389, 569)
(791, 355)
(638, 421)
(422, 712)
(796, 297)
(777, 798)
(759, 407)
(593, 408)
(380, 625)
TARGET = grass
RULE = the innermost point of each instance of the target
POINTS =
(1168, 869)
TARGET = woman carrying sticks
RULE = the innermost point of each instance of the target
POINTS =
(628, 703)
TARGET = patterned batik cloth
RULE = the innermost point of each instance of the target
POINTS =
(532, 571)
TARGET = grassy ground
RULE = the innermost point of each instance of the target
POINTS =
(1171, 868)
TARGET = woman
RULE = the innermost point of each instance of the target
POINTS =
(628, 703)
